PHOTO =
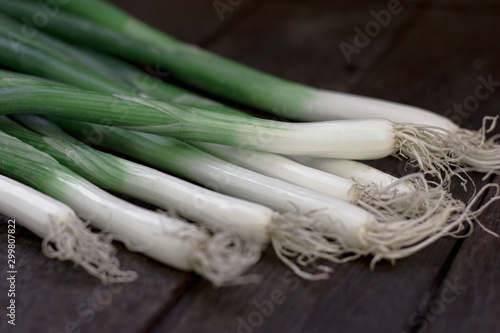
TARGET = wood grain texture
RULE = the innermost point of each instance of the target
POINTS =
(301, 42)
(440, 63)
(471, 289)
(192, 21)
(464, 5)
(430, 55)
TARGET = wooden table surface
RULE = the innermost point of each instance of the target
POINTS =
(433, 54)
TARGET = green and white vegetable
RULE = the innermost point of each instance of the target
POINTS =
(345, 139)
(358, 139)
(65, 236)
(337, 186)
(358, 172)
(266, 163)
(219, 258)
(427, 139)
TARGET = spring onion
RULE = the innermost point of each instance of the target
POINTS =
(435, 141)
(65, 236)
(358, 172)
(285, 169)
(219, 258)
(358, 139)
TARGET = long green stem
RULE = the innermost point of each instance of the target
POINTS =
(357, 139)
(50, 58)
(186, 62)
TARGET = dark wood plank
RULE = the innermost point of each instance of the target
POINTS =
(191, 21)
(440, 64)
(301, 42)
(479, 5)
(452, 56)
(471, 287)
(354, 299)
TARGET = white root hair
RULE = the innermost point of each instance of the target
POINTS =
(299, 240)
(218, 256)
(437, 215)
(222, 259)
(70, 239)
(438, 151)
(406, 222)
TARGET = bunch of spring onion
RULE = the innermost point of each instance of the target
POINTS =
(428, 213)
(219, 257)
(65, 236)
(383, 203)
(429, 140)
